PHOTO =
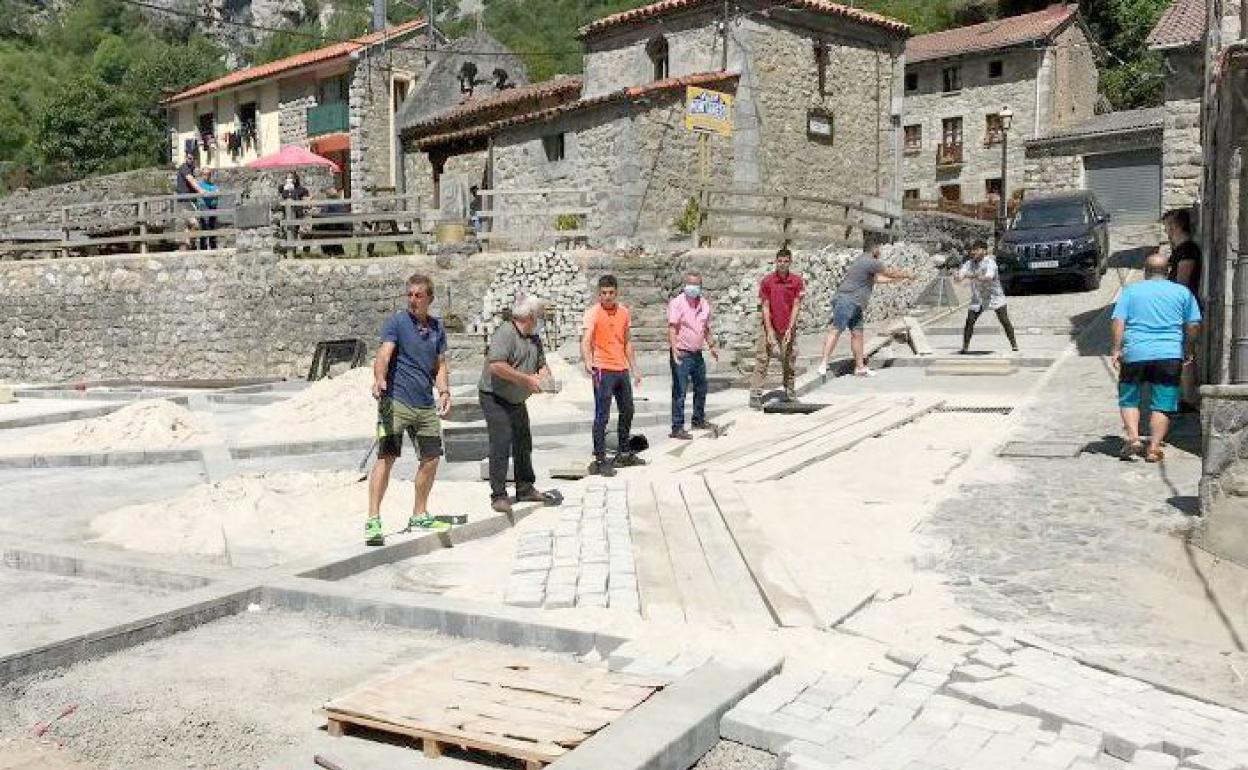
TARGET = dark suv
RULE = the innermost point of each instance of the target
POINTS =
(1056, 234)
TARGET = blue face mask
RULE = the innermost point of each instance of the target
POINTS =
(693, 291)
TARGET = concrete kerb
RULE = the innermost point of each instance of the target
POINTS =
(676, 726)
(101, 459)
(52, 418)
(498, 623)
(118, 568)
(1029, 362)
(180, 612)
(357, 559)
(100, 395)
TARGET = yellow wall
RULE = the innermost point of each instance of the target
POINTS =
(184, 119)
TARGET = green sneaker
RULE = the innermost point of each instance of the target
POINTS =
(372, 532)
(427, 522)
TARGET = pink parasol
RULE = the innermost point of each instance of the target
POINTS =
(292, 155)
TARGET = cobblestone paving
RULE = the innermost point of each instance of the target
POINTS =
(983, 700)
(586, 560)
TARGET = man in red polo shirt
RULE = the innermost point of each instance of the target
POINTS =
(780, 294)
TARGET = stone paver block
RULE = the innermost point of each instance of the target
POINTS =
(840, 719)
(959, 637)
(958, 746)
(800, 710)
(869, 693)
(1060, 754)
(774, 694)
(768, 732)
(1153, 760)
(539, 563)
(990, 656)
(1001, 751)
(885, 723)
(1083, 734)
(928, 677)
(980, 628)
(591, 600)
(908, 658)
(1212, 761)
(976, 673)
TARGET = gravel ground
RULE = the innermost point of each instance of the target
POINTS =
(226, 695)
(727, 755)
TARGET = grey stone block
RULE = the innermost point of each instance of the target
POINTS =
(799, 710)
(1153, 760)
(975, 672)
(907, 658)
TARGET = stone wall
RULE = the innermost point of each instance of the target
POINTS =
(295, 97)
(128, 184)
(1073, 92)
(940, 233)
(1181, 159)
(251, 314)
(980, 96)
(372, 115)
(1224, 472)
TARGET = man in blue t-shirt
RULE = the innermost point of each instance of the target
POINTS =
(410, 363)
(1155, 326)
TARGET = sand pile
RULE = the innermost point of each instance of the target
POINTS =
(273, 517)
(339, 407)
(149, 424)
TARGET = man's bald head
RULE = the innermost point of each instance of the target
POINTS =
(1156, 265)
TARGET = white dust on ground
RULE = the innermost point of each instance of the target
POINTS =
(144, 425)
(338, 407)
(282, 515)
(846, 525)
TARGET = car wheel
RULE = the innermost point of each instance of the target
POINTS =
(1092, 281)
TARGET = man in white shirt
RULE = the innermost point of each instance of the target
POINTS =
(986, 293)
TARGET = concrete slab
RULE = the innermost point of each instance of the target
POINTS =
(676, 726)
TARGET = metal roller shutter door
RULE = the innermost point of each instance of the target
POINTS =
(1127, 184)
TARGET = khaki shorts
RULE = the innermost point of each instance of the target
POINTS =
(394, 418)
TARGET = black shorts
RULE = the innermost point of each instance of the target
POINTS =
(1165, 371)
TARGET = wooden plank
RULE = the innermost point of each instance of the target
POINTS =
(171, 235)
(344, 219)
(793, 461)
(541, 752)
(840, 423)
(780, 590)
(545, 233)
(694, 580)
(656, 582)
(786, 430)
(918, 338)
(743, 603)
(536, 191)
(355, 240)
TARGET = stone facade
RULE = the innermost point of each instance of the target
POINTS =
(1224, 471)
(1181, 160)
(371, 97)
(641, 166)
(941, 233)
(1045, 89)
(297, 96)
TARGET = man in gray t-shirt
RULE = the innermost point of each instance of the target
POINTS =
(515, 366)
(850, 302)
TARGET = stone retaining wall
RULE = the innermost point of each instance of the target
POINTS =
(252, 314)
(1224, 472)
(940, 233)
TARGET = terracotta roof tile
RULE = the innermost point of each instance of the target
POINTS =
(499, 105)
(1181, 24)
(632, 93)
(665, 7)
(989, 36)
(328, 53)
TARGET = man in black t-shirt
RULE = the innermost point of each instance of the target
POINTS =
(188, 184)
(1185, 258)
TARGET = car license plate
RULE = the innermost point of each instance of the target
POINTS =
(1043, 264)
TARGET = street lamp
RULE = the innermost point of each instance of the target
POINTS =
(1005, 116)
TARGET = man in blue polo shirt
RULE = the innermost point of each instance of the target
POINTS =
(410, 363)
(1155, 326)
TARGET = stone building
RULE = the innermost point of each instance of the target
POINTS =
(1179, 37)
(340, 101)
(1041, 65)
(1116, 155)
(817, 90)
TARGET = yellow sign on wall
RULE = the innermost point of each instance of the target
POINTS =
(708, 111)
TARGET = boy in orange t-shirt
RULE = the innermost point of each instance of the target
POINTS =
(608, 357)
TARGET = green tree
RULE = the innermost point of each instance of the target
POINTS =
(87, 127)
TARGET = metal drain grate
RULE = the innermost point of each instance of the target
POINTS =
(975, 409)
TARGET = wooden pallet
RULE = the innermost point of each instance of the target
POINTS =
(534, 710)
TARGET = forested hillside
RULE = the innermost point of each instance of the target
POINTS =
(80, 83)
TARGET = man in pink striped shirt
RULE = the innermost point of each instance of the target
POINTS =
(688, 332)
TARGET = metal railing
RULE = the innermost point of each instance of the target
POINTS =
(195, 220)
(330, 118)
(801, 218)
(539, 217)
